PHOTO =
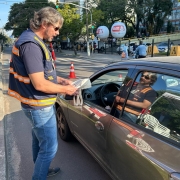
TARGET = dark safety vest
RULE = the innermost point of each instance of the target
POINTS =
(20, 85)
(137, 98)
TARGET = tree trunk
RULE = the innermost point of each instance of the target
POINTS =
(75, 50)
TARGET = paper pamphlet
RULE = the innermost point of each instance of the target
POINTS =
(82, 83)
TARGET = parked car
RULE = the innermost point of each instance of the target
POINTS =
(129, 141)
(163, 46)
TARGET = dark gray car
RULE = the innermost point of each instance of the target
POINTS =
(129, 141)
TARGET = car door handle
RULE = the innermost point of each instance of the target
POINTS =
(99, 126)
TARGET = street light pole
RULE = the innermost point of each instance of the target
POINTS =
(87, 9)
(87, 31)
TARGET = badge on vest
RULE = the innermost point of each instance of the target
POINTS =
(50, 78)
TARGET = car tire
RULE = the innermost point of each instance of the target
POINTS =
(62, 125)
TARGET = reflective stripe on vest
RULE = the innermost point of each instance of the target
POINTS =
(128, 110)
(25, 80)
(32, 102)
(133, 111)
(44, 48)
(146, 90)
(15, 51)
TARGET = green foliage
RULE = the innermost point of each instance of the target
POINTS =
(21, 13)
(3, 38)
(156, 13)
(113, 11)
(169, 27)
(73, 25)
(130, 31)
(150, 13)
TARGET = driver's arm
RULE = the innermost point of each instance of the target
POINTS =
(145, 104)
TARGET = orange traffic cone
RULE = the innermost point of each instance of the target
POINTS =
(72, 73)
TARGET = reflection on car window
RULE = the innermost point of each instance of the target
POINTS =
(155, 106)
(163, 116)
(171, 81)
(140, 96)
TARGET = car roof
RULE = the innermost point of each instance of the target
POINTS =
(169, 62)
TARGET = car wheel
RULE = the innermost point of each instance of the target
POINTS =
(62, 125)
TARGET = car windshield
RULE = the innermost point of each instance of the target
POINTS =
(114, 76)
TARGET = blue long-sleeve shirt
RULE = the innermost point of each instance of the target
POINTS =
(141, 50)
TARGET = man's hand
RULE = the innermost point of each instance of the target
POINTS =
(119, 99)
(71, 90)
(43, 85)
(63, 81)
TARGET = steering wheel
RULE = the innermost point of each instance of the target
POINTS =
(107, 98)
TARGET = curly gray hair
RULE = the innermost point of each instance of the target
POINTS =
(46, 15)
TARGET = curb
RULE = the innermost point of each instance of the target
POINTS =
(2, 136)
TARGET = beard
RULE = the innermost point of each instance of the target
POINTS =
(144, 83)
(47, 37)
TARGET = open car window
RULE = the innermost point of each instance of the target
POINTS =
(104, 88)
(155, 107)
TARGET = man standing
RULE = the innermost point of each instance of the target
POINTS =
(126, 51)
(141, 50)
(34, 83)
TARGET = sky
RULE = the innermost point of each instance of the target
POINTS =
(4, 12)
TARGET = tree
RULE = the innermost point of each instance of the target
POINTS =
(3, 38)
(21, 13)
(113, 11)
(142, 15)
(72, 25)
(156, 14)
(169, 27)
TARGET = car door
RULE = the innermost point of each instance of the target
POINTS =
(138, 150)
(91, 120)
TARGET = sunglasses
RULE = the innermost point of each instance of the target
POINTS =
(146, 77)
(56, 28)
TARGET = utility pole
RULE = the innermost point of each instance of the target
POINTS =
(87, 9)
(87, 31)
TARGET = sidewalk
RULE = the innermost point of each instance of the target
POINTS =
(97, 56)
(2, 142)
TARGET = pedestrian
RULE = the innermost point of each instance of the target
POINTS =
(134, 49)
(135, 46)
(114, 41)
(141, 50)
(34, 83)
(125, 49)
(94, 47)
